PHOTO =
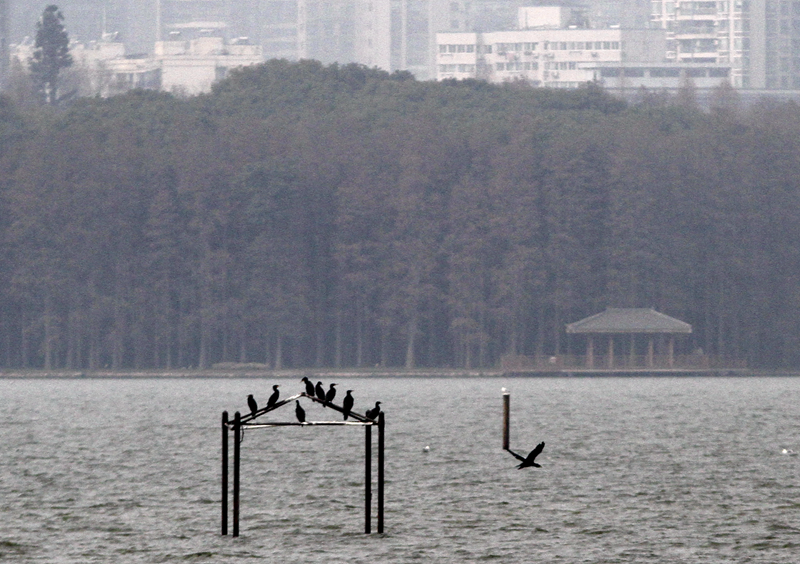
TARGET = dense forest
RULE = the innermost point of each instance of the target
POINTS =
(307, 216)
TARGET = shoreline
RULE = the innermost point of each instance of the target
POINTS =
(327, 373)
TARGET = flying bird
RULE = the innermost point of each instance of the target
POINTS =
(251, 403)
(330, 394)
(375, 411)
(528, 461)
(300, 412)
(320, 391)
(309, 386)
(347, 404)
(273, 399)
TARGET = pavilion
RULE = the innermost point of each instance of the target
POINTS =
(616, 323)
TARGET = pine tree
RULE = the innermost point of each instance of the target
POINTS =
(51, 54)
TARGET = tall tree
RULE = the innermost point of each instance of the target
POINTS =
(51, 54)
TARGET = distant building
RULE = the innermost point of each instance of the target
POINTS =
(760, 39)
(4, 27)
(553, 46)
(389, 34)
(628, 77)
(181, 66)
(191, 67)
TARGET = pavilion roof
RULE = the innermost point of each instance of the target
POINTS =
(629, 320)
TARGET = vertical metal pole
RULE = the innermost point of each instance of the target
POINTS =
(224, 472)
(380, 472)
(237, 432)
(506, 417)
(367, 478)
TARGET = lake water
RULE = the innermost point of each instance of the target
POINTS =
(635, 470)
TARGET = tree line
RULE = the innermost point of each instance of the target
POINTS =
(303, 215)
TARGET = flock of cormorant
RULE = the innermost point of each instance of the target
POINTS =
(319, 392)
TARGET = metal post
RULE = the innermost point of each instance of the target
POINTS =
(367, 478)
(224, 472)
(380, 471)
(237, 431)
(506, 417)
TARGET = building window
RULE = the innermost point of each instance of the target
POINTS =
(500, 66)
(633, 73)
(443, 48)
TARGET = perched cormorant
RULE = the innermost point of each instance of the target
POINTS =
(300, 412)
(330, 394)
(528, 461)
(273, 399)
(251, 403)
(347, 404)
(375, 411)
(320, 391)
(309, 386)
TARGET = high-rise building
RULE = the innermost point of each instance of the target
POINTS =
(760, 39)
(389, 34)
(3, 40)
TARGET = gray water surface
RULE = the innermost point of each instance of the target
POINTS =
(635, 470)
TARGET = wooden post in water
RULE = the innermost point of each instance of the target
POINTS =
(224, 472)
(237, 432)
(506, 417)
(367, 478)
(380, 472)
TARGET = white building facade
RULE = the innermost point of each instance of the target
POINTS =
(181, 67)
(554, 47)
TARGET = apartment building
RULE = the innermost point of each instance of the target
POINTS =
(760, 39)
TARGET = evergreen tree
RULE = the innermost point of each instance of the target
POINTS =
(51, 54)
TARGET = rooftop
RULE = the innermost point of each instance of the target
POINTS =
(629, 320)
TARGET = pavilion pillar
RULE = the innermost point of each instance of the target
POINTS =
(650, 351)
(671, 350)
(611, 351)
(590, 352)
(632, 353)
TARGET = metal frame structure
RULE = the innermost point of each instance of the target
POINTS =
(242, 422)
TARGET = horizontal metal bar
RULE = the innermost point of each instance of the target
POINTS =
(309, 424)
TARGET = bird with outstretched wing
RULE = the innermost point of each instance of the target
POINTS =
(528, 461)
